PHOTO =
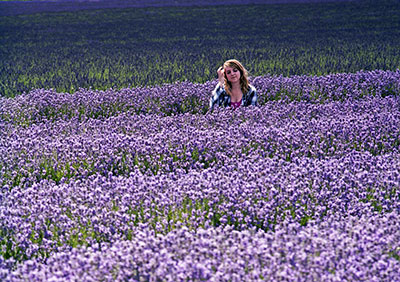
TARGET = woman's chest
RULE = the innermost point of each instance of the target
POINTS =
(237, 94)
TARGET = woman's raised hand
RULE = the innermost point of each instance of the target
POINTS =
(221, 78)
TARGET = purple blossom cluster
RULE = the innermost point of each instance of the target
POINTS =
(146, 184)
(185, 97)
(327, 88)
(350, 249)
(71, 149)
(262, 194)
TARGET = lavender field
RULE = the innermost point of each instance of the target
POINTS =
(113, 167)
(146, 184)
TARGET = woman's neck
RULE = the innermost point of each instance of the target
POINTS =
(236, 92)
(236, 86)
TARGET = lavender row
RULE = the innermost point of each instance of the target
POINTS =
(155, 144)
(340, 203)
(247, 193)
(355, 249)
(24, 7)
(333, 87)
(336, 250)
(47, 105)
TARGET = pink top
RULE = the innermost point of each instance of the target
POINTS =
(236, 104)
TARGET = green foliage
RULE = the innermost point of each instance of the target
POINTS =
(116, 48)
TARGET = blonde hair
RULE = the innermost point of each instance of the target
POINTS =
(244, 82)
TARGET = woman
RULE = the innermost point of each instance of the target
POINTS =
(233, 89)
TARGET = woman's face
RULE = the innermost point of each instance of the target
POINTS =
(232, 74)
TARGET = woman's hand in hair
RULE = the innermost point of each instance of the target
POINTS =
(221, 78)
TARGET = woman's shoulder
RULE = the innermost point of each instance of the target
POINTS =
(252, 89)
(251, 96)
(219, 89)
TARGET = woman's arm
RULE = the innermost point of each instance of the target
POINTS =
(216, 96)
(252, 97)
(219, 89)
(221, 77)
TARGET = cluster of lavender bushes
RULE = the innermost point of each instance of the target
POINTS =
(146, 184)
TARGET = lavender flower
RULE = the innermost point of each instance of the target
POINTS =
(146, 184)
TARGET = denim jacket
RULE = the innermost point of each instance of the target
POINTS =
(221, 98)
